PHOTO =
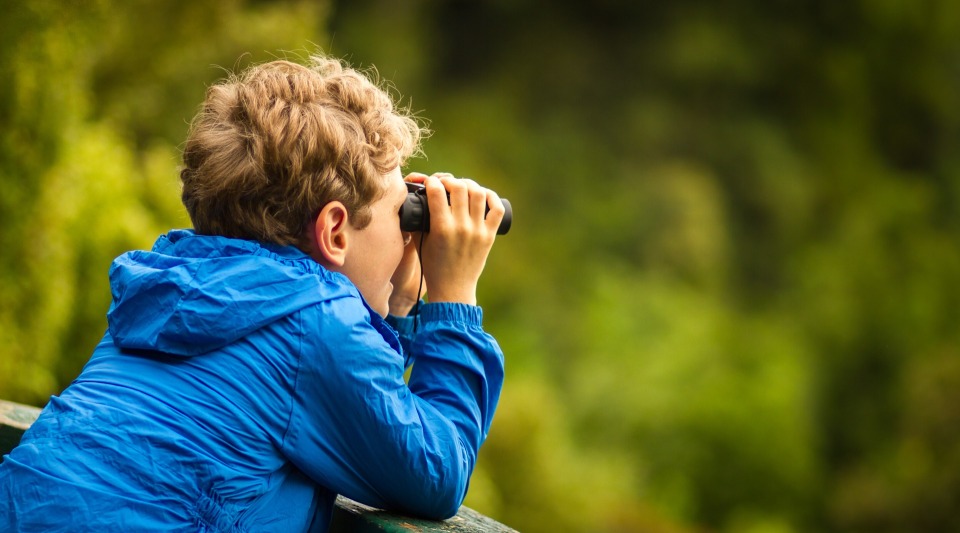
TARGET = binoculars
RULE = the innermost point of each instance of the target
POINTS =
(415, 212)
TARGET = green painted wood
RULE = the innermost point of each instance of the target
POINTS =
(348, 516)
(15, 418)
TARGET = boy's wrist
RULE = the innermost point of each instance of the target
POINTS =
(459, 295)
(455, 300)
(400, 305)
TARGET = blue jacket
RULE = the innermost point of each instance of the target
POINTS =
(241, 387)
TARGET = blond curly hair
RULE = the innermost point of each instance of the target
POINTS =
(271, 146)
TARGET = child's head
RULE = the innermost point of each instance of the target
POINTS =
(272, 146)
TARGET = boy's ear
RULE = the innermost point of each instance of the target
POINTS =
(330, 237)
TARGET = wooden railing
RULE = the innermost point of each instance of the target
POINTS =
(348, 516)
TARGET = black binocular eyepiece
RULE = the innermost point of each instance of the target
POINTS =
(415, 211)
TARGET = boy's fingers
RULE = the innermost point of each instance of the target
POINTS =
(437, 200)
(477, 198)
(459, 197)
(462, 199)
(495, 215)
(415, 177)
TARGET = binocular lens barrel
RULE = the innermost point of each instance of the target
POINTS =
(415, 212)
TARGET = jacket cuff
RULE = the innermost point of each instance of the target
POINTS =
(470, 315)
(404, 325)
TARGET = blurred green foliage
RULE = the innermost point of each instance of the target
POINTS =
(730, 298)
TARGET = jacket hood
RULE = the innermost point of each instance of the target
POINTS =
(194, 293)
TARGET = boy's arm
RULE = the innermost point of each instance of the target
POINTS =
(359, 430)
(465, 218)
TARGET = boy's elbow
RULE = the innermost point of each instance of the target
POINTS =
(449, 513)
(439, 499)
(449, 505)
(436, 487)
(443, 500)
(443, 506)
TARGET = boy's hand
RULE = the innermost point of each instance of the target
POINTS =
(461, 235)
(406, 279)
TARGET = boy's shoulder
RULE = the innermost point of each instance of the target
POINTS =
(193, 293)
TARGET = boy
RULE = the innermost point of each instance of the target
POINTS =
(252, 368)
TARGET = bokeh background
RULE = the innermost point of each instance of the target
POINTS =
(730, 298)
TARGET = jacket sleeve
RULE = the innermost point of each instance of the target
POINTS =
(406, 328)
(359, 430)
